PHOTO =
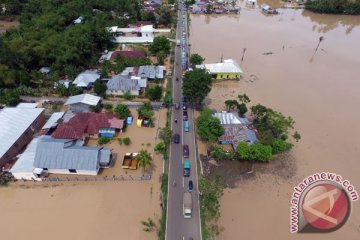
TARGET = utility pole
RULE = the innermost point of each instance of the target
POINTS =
(242, 58)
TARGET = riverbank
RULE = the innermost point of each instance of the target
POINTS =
(319, 89)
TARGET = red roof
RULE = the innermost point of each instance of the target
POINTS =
(86, 123)
(127, 54)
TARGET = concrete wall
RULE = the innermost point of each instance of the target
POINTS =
(228, 76)
(78, 172)
(80, 107)
(120, 93)
(23, 140)
(26, 176)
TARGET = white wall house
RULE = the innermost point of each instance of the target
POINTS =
(118, 85)
(82, 102)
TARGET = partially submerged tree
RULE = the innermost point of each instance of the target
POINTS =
(122, 111)
(196, 59)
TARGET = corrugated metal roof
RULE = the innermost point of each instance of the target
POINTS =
(25, 163)
(13, 123)
(53, 120)
(65, 154)
(86, 77)
(83, 98)
(230, 118)
(27, 105)
(151, 72)
(227, 66)
(124, 83)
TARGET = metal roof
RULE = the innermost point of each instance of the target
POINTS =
(124, 83)
(27, 105)
(230, 118)
(86, 77)
(25, 163)
(227, 66)
(13, 123)
(83, 98)
(65, 154)
(53, 120)
(151, 72)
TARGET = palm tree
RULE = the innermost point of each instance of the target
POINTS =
(144, 159)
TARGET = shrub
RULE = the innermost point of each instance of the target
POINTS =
(103, 140)
(126, 141)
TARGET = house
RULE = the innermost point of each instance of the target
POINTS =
(24, 169)
(83, 102)
(228, 69)
(79, 20)
(86, 79)
(142, 34)
(66, 156)
(118, 85)
(139, 24)
(52, 123)
(44, 70)
(17, 127)
(237, 129)
(27, 105)
(62, 82)
(151, 72)
(80, 125)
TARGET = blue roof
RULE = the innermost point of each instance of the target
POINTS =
(250, 134)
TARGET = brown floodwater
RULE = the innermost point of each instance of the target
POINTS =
(321, 91)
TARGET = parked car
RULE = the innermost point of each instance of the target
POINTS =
(177, 138)
(191, 186)
(186, 151)
(185, 107)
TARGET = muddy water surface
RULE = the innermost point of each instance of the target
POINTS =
(320, 90)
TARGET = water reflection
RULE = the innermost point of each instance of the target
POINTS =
(326, 22)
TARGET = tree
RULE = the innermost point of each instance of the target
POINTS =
(154, 93)
(165, 15)
(231, 104)
(122, 111)
(100, 88)
(126, 141)
(297, 136)
(144, 159)
(256, 151)
(209, 127)
(9, 97)
(196, 59)
(196, 85)
(243, 98)
(160, 147)
(165, 134)
(149, 225)
(146, 111)
(279, 146)
(103, 140)
(160, 44)
(108, 107)
(242, 108)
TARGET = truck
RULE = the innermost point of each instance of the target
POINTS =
(187, 167)
(186, 126)
(178, 42)
(187, 205)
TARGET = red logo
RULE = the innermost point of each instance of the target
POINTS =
(325, 208)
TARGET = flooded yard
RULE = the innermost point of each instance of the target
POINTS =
(320, 90)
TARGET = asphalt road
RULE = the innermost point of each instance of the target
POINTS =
(177, 227)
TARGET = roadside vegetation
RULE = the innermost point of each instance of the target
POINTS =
(196, 86)
(164, 194)
(196, 59)
(208, 127)
(210, 192)
(351, 7)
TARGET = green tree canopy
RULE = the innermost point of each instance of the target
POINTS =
(165, 134)
(160, 44)
(208, 127)
(144, 159)
(196, 85)
(100, 88)
(196, 59)
(154, 93)
(122, 111)
(146, 111)
(254, 151)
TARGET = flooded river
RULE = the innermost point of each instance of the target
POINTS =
(320, 90)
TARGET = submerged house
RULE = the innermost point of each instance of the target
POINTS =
(65, 156)
(228, 69)
(237, 129)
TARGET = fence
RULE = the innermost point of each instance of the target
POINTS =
(97, 178)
